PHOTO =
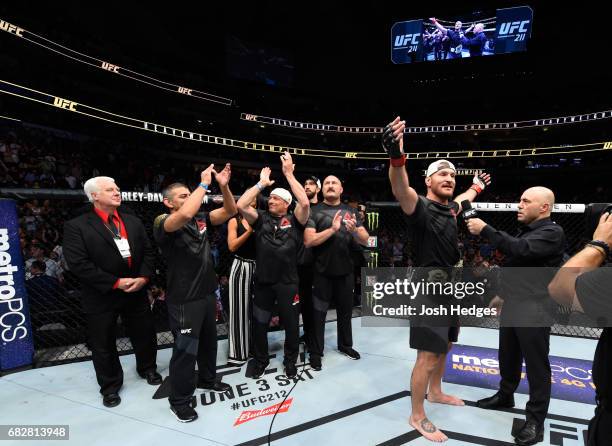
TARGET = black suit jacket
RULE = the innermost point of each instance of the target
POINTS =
(94, 259)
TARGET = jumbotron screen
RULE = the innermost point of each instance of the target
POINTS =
(477, 34)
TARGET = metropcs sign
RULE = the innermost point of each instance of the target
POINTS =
(16, 347)
(12, 322)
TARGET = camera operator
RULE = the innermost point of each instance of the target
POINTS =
(585, 287)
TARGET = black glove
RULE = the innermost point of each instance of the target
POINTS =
(480, 181)
(390, 144)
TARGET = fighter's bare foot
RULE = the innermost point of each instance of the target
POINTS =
(442, 398)
(427, 429)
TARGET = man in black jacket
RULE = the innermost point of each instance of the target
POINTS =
(539, 244)
(111, 255)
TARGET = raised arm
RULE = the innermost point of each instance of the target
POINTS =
(393, 143)
(440, 27)
(479, 182)
(563, 286)
(302, 207)
(190, 208)
(221, 215)
(244, 203)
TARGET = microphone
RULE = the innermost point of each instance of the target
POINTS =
(468, 211)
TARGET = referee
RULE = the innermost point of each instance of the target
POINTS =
(278, 240)
(433, 223)
(539, 244)
(182, 236)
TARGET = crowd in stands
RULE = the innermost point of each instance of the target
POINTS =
(38, 158)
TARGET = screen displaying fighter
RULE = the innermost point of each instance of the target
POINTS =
(476, 34)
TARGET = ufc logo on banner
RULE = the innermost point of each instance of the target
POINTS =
(513, 27)
(110, 67)
(6, 26)
(406, 39)
(64, 103)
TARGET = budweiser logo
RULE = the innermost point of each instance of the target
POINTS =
(249, 415)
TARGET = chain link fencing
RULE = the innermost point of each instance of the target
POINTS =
(58, 323)
(391, 247)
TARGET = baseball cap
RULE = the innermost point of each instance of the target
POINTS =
(315, 180)
(283, 194)
(439, 165)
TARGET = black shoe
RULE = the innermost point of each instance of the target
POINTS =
(185, 414)
(111, 400)
(255, 369)
(497, 401)
(348, 351)
(153, 378)
(315, 362)
(531, 433)
(217, 387)
(290, 370)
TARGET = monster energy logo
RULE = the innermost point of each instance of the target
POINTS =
(373, 262)
(373, 221)
(369, 297)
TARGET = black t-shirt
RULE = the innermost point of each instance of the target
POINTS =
(593, 292)
(307, 254)
(278, 241)
(454, 37)
(334, 256)
(476, 44)
(433, 231)
(191, 274)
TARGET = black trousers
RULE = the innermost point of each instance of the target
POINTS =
(531, 344)
(306, 275)
(137, 318)
(340, 289)
(600, 427)
(286, 295)
(195, 340)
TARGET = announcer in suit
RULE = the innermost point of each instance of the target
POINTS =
(110, 253)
